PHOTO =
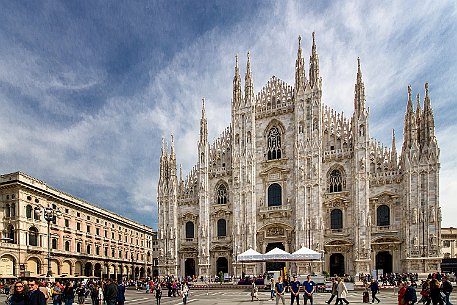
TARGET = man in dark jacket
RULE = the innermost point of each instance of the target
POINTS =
(410, 296)
(36, 297)
(374, 287)
(110, 292)
(446, 286)
(120, 293)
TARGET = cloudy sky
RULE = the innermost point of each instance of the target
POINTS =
(89, 88)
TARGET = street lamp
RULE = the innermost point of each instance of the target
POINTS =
(50, 214)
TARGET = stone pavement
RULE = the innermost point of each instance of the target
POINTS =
(237, 296)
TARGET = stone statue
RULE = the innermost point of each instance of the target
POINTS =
(415, 241)
(414, 216)
(432, 214)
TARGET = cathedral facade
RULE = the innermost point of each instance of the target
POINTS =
(291, 172)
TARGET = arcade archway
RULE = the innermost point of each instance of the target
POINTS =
(384, 261)
(221, 265)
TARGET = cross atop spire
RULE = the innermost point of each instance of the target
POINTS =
(313, 64)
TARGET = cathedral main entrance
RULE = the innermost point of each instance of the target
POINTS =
(384, 261)
(221, 265)
(337, 264)
(189, 267)
(275, 266)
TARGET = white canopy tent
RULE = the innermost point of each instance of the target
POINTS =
(250, 256)
(305, 254)
(276, 255)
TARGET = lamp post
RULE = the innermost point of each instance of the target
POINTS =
(50, 214)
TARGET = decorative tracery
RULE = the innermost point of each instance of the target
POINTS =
(274, 144)
(222, 194)
(336, 181)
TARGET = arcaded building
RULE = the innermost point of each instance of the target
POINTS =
(85, 240)
(291, 172)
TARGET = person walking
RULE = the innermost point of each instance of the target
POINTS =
(254, 292)
(410, 294)
(110, 293)
(425, 293)
(446, 286)
(435, 292)
(401, 293)
(93, 288)
(341, 292)
(19, 296)
(81, 293)
(36, 297)
(308, 287)
(158, 293)
(184, 292)
(295, 291)
(120, 293)
(272, 289)
(334, 292)
(68, 293)
(279, 290)
(374, 287)
(57, 294)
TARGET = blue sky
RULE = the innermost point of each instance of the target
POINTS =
(89, 88)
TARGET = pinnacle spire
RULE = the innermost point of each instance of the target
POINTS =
(249, 86)
(299, 68)
(203, 125)
(203, 107)
(313, 64)
(236, 99)
(172, 153)
(359, 99)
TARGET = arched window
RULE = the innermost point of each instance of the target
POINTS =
(222, 194)
(67, 245)
(78, 247)
(54, 243)
(33, 236)
(336, 219)
(274, 144)
(10, 234)
(36, 214)
(383, 215)
(221, 228)
(13, 210)
(190, 229)
(88, 249)
(28, 211)
(7, 211)
(336, 181)
(274, 195)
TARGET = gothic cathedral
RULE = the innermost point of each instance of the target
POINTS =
(290, 172)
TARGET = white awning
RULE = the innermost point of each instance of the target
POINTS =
(276, 255)
(250, 256)
(305, 254)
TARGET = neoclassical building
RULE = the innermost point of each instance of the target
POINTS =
(86, 240)
(291, 172)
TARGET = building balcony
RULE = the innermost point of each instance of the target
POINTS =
(223, 239)
(384, 229)
(342, 232)
(276, 211)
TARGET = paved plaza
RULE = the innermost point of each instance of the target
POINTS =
(239, 296)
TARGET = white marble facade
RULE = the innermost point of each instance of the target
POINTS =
(291, 172)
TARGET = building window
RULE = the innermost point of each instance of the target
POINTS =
(78, 247)
(67, 223)
(78, 226)
(189, 229)
(97, 250)
(274, 144)
(222, 194)
(89, 249)
(336, 219)
(112, 253)
(274, 195)
(7, 211)
(335, 182)
(97, 231)
(106, 251)
(67, 245)
(10, 234)
(54, 243)
(446, 243)
(28, 211)
(88, 229)
(112, 235)
(383, 215)
(221, 228)
(33, 236)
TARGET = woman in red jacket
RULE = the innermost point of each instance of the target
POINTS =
(401, 293)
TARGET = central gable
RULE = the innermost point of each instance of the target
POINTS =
(275, 94)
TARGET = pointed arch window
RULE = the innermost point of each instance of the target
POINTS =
(33, 236)
(336, 219)
(336, 181)
(383, 215)
(190, 230)
(221, 228)
(274, 144)
(222, 194)
(274, 195)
